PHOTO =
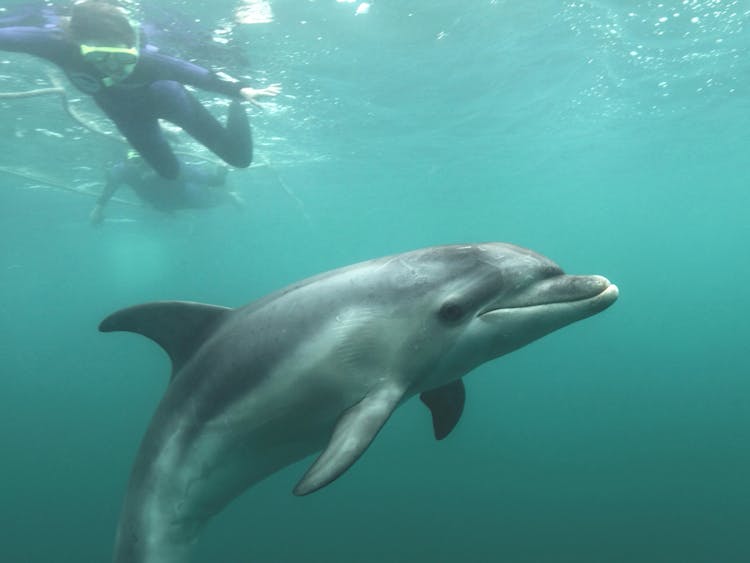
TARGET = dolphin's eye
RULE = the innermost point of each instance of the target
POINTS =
(451, 312)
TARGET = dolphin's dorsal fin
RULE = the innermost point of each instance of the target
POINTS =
(446, 404)
(179, 327)
(354, 431)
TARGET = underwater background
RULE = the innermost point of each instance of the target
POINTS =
(611, 136)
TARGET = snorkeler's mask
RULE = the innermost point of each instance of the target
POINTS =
(121, 56)
(117, 63)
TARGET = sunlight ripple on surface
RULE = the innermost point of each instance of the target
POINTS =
(254, 11)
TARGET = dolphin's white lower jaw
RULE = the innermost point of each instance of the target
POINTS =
(610, 294)
(603, 299)
(580, 308)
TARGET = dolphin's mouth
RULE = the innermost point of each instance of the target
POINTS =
(589, 293)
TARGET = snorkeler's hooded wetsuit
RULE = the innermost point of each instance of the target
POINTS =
(152, 91)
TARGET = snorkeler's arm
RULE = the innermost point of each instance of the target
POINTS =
(29, 14)
(113, 181)
(252, 94)
(45, 43)
(164, 67)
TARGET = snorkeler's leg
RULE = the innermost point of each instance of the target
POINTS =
(143, 132)
(233, 143)
(238, 128)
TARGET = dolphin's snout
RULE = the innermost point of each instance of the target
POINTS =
(600, 281)
(583, 287)
(569, 288)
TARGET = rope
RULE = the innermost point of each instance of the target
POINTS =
(59, 185)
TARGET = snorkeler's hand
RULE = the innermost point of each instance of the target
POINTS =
(252, 94)
(97, 215)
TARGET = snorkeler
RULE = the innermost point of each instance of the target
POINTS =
(103, 54)
(199, 186)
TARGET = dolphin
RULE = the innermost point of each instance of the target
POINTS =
(321, 365)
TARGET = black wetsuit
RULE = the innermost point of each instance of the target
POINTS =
(152, 91)
(199, 186)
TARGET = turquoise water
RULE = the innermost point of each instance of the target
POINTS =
(610, 136)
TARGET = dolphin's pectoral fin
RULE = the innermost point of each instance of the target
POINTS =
(446, 404)
(177, 326)
(354, 431)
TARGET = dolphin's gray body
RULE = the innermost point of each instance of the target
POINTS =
(321, 365)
